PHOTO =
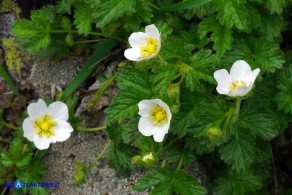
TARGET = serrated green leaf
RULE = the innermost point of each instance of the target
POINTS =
(284, 85)
(271, 25)
(237, 183)
(276, 6)
(259, 123)
(178, 182)
(112, 10)
(232, 13)
(185, 5)
(162, 78)
(83, 18)
(257, 52)
(64, 6)
(175, 48)
(134, 86)
(240, 151)
(221, 35)
(120, 156)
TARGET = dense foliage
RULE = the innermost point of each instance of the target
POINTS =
(198, 37)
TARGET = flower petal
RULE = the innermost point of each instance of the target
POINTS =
(133, 54)
(162, 104)
(221, 90)
(28, 129)
(145, 107)
(146, 126)
(223, 79)
(42, 143)
(38, 109)
(137, 39)
(62, 131)
(152, 31)
(241, 71)
(58, 111)
(159, 135)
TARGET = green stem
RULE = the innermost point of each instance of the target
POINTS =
(24, 148)
(238, 102)
(36, 153)
(90, 129)
(9, 125)
(4, 141)
(100, 155)
(91, 33)
(88, 41)
(163, 163)
(100, 92)
(180, 163)
(161, 59)
(3, 192)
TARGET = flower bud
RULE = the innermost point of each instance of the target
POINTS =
(148, 159)
(173, 90)
(214, 133)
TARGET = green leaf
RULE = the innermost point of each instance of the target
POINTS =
(120, 156)
(80, 174)
(185, 5)
(134, 86)
(162, 78)
(200, 69)
(258, 122)
(271, 25)
(100, 52)
(112, 10)
(35, 34)
(258, 52)
(83, 18)
(175, 48)
(167, 182)
(237, 183)
(64, 6)
(221, 35)
(240, 151)
(276, 6)
(284, 85)
(232, 13)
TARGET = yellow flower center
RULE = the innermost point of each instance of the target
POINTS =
(44, 126)
(150, 48)
(237, 84)
(158, 115)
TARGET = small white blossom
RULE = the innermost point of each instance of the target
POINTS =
(155, 118)
(240, 80)
(46, 125)
(144, 45)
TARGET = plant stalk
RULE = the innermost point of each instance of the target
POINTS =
(90, 129)
(100, 155)
(238, 102)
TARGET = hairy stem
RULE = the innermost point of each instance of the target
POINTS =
(90, 129)
(100, 155)
(180, 163)
(238, 102)
(9, 125)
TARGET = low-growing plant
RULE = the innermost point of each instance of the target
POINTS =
(177, 104)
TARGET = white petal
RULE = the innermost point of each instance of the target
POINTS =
(241, 71)
(223, 79)
(62, 131)
(28, 130)
(133, 54)
(37, 110)
(145, 107)
(58, 111)
(239, 92)
(146, 126)
(152, 31)
(253, 78)
(162, 104)
(221, 90)
(159, 135)
(42, 143)
(137, 39)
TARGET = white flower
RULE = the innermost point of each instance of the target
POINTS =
(46, 125)
(155, 118)
(240, 80)
(144, 45)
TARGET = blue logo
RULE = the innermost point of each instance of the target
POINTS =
(8, 184)
(18, 184)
